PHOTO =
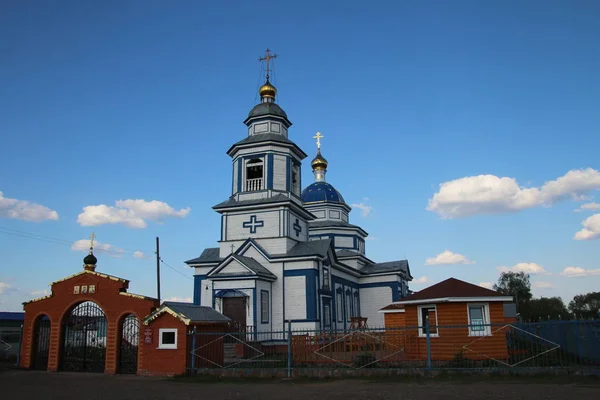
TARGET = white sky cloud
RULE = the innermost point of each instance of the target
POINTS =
(139, 254)
(528, 268)
(448, 257)
(131, 213)
(420, 280)
(487, 285)
(577, 272)
(490, 194)
(591, 229)
(40, 293)
(84, 245)
(365, 210)
(542, 285)
(25, 211)
(588, 207)
(4, 287)
(180, 299)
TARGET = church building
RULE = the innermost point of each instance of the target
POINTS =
(288, 254)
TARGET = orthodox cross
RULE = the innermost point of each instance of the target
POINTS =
(318, 137)
(268, 57)
(232, 246)
(92, 237)
(253, 224)
(297, 227)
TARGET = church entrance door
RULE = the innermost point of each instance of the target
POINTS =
(235, 309)
(84, 339)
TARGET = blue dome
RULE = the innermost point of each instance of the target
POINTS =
(321, 191)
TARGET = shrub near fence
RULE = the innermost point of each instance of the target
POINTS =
(539, 345)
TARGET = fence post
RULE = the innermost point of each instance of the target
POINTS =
(577, 340)
(193, 371)
(428, 341)
(20, 346)
(289, 354)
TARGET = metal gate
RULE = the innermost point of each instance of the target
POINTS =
(84, 339)
(41, 343)
(128, 351)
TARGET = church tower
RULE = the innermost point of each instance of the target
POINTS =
(265, 203)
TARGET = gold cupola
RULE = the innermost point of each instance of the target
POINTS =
(267, 91)
(319, 162)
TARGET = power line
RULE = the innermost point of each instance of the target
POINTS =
(180, 273)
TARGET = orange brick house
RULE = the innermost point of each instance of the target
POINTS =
(465, 320)
(91, 323)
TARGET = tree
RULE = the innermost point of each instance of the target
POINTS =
(546, 308)
(586, 305)
(515, 284)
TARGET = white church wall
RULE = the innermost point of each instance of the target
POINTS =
(237, 231)
(279, 172)
(234, 185)
(377, 279)
(303, 233)
(344, 241)
(260, 326)
(294, 265)
(371, 301)
(295, 297)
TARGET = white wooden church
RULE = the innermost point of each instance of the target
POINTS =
(287, 254)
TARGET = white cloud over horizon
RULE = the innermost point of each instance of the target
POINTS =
(139, 254)
(365, 210)
(528, 268)
(591, 229)
(420, 280)
(4, 288)
(180, 299)
(490, 194)
(447, 257)
(542, 285)
(578, 272)
(588, 207)
(487, 285)
(25, 211)
(84, 246)
(131, 213)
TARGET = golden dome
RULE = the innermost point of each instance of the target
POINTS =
(319, 162)
(267, 90)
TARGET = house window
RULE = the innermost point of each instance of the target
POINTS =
(325, 279)
(254, 175)
(340, 306)
(167, 338)
(264, 306)
(326, 315)
(479, 319)
(295, 179)
(349, 311)
(356, 305)
(428, 313)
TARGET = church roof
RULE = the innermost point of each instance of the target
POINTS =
(391, 266)
(267, 137)
(309, 248)
(209, 255)
(267, 108)
(187, 312)
(321, 192)
(233, 202)
(254, 266)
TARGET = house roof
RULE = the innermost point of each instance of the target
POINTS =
(453, 289)
(209, 255)
(233, 202)
(392, 308)
(12, 316)
(188, 313)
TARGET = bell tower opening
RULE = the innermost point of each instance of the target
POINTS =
(254, 175)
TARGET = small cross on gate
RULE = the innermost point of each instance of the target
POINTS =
(253, 224)
(297, 227)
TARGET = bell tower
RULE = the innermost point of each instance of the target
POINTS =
(265, 201)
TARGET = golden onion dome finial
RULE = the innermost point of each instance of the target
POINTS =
(267, 91)
(319, 162)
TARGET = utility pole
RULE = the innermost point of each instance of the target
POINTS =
(158, 269)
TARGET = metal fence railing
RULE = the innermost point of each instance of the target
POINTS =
(545, 344)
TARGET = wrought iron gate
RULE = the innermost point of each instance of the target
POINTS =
(128, 351)
(41, 343)
(84, 343)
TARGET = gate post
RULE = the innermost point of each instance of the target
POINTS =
(289, 353)
(428, 341)
(20, 347)
(193, 355)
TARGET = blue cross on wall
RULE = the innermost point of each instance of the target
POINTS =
(253, 224)
(297, 227)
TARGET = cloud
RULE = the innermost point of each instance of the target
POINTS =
(490, 194)
(577, 272)
(365, 210)
(25, 211)
(448, 257)
(542, 285)
(4, 288)
(421, 280)
(591, 228)
(487, 285)
(139, 254)
(180, 299)
(528, 268)
(131, 213)
(588, 207)
(84, 245)
(41, 293)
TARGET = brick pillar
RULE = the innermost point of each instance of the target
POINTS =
(54, 351)
(26, 343)
(111, 346)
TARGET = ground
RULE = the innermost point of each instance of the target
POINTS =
(49, 386)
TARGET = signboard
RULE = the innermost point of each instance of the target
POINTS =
(148, 335)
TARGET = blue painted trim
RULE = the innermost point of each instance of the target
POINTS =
(337, 279)
(239, 181)
(311, 276)
(270, 170)
(288, 174)
(254, 301)
(283, 291)
(198, 289)
(253, 224)
(304, 320)
(262, 321)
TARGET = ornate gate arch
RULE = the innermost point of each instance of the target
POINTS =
(128, 346)
(41, 342)
(84, 339)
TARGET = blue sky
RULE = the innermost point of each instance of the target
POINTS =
(113, 101)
